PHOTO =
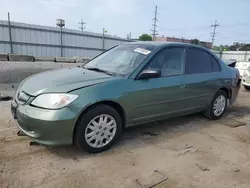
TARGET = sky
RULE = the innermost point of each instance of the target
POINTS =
(179, 18)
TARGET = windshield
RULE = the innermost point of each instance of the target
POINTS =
(122, 59)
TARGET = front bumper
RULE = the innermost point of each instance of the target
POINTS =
(246, 81)
(47, 127)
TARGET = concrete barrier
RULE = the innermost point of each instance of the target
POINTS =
(83, 60)
(8, 89)
(15, 72)
(16, 57)
(52, 59)
(12, 73)
(3, 57)
(27, 58)
(65, 60)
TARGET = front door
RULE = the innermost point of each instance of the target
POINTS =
(162, 97)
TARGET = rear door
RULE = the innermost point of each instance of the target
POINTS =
(202, 73)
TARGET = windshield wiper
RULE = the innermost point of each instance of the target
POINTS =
(100, 70)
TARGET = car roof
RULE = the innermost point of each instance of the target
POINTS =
(164, 44)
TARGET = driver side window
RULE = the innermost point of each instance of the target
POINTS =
(170, 61)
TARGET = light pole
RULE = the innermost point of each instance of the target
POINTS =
(103, 37)
(61, 24)
(129, 37)
(103, 30)
(11, 47)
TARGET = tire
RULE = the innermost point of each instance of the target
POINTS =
(247, 88)
(210, 112)
(96, 142)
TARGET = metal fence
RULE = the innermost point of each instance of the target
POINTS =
(28, 39)
(236, 55)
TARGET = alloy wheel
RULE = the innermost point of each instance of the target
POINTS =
(100, 131)
(219, 105)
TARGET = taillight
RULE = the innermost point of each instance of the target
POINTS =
(236, 78)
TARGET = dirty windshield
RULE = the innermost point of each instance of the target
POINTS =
(122, 59)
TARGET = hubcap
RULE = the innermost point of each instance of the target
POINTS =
(100, 131)
(219, 105)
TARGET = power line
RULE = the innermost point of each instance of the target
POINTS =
(154, 24)
(214, 33)
(189, 28)
(201, 28)
(239, 33)
(236, 25)
(81, 23)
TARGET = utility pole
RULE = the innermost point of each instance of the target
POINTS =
(103, 35)
(155, 20)
(11, 47)
(61, 24)
(81, 25)
(213, 34)
(103, 38)
(129, 37)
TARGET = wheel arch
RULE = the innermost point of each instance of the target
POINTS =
(115, 105)
(227, 91)
(208, 112)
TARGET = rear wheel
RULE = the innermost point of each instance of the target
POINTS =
(98, 129)
(217, 106)
(247, 88)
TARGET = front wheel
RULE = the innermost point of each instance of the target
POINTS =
(247, 88)
(217, 106)
(98, 129)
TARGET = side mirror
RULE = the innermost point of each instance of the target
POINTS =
(149, 73)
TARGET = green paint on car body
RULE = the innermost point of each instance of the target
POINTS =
(141, 101)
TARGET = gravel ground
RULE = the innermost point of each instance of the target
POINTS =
(189, 151)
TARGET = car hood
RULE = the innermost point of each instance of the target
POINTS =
(62, 80)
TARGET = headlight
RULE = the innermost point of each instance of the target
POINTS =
(53, 100)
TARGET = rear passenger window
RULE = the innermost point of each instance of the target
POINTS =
(198, 61)
(215, 65)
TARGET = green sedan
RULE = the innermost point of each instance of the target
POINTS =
(130, 84)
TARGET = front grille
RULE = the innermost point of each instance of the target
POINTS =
(22, 97)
